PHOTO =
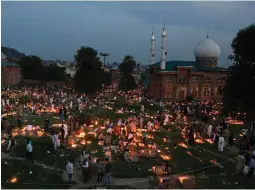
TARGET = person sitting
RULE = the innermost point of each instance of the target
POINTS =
(130, 137)
(127, 156)
(162, 185)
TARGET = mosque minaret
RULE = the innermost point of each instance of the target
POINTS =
(152, 48)
(163, 49)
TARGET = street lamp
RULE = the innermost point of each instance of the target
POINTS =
(104, 55)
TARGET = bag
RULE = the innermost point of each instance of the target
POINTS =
(13, 142)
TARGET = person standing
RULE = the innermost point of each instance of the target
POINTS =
(230, 139)
(221, 143)
(46, 125)
(29, 154)
(11, 145)
(85, 169)
(240, 162)
(100, 171)
(19, 121)
(251, 166)
(108, 170)
(62, 134)
(65, 112)
(61, 113)
(55, 141)
(69, 169)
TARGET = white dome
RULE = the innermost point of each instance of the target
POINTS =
(3, 56)
(207, 48)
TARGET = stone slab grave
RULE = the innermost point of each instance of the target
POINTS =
(187, 182)
(148, 153)
(172, 182)
(134, 155)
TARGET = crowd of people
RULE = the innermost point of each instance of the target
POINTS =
(125, 129)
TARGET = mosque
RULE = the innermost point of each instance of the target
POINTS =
(11, 72)
(175, 80)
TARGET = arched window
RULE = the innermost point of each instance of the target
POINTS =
(208, 80)
(195, 80)
(183, 79)
(206, 92)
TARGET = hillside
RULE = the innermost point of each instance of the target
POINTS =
(12, 53)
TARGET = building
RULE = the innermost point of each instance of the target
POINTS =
(175, 80)
(11, 72)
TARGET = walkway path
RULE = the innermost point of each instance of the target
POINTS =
(9, 157)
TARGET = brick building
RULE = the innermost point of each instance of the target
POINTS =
(201, 78)
(11, 73)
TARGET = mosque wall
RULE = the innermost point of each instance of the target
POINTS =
(10, 75)
(203, 85)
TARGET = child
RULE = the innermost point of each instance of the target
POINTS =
(144, 137)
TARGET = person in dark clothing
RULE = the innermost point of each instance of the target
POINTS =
(65, 113)
(19, 121)
(108, 170)
(62, 134)
(60, 112)
(100, 171)
(89, 168)
(85, 169)
(46, 125)
(191, 135)
(230, 139)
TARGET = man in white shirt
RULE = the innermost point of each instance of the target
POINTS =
(29, 155)
(209, 131)
(69, 169)
(221, 144)
(110, 130)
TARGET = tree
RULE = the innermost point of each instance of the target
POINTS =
(89, 77)
(243, 46)
(32, 67)
(128, 65)
(127, 81)
(54, 73)
(239, 91)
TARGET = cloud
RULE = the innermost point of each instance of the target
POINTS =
(55, 30)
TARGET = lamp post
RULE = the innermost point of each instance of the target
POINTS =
(104, 55)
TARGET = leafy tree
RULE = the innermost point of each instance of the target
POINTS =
(239, 91)
(128, 65)
(89, 77)
(54, 73)
(32, 67)
(243, 46)
(127, 81)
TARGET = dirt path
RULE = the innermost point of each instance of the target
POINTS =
(9, 157)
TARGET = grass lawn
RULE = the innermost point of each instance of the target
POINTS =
(183, 159)
(40, 178)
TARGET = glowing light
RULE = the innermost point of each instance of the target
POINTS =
(199, 141)
(189, 153)
(183, 145)
(182, 178)
(14, 180)
(166, 157)
(209, 141)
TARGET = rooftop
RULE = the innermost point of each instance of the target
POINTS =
(173, 66)
(9, 64)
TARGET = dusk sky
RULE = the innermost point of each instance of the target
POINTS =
(55, 30)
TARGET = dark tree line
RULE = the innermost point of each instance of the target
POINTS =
(32, 68)
(239, 91)
(127, 81)
(90, 77)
